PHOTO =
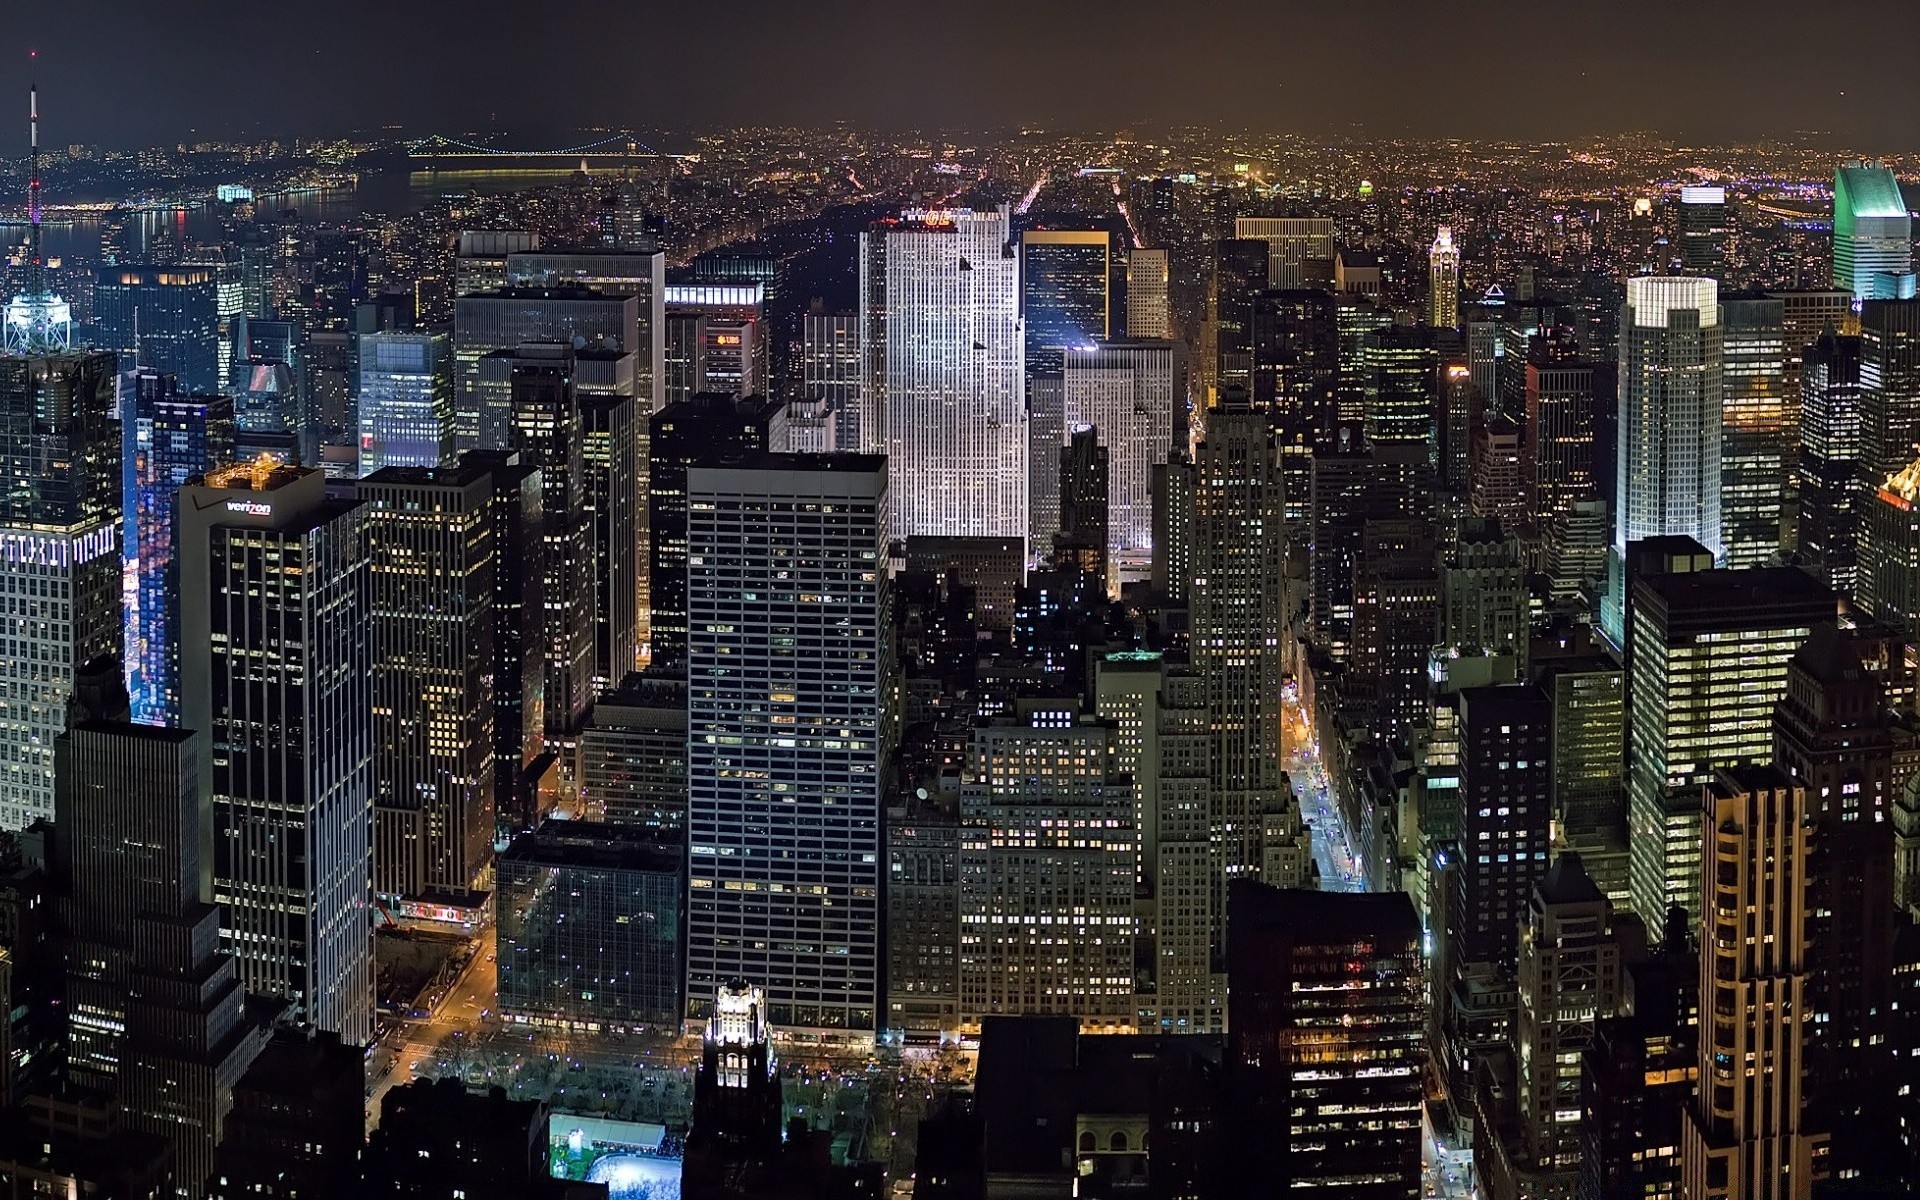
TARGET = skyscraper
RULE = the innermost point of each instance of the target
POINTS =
(274, 667)
(1134, 395)
(1443, 281)
(1829, 459)
(1754, 426)
(431, 575)
(486, 322)
(1749, 1132)
(1703, 231)
(940, 315)
(405, 400)
(791, 718)
(1888, 581)
(830, 375)
(627, 271)
(1066, 293)
(1148, 313)
(1889, 389)
(1872, 233)
(165, 440)
(1401, 387)
(1506, 810)
(1299, 249)
(1708, 662)
(612, 457)
(59, 557)
(166, 318)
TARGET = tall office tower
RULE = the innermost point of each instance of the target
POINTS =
(502, 319)
(1754, 421)
(1454, 421)
(1577, 548)
(1239, 279)
(685, 372)
(1355, 319)
(165, 440)
(830, 375)
(1748, 1131)
(1703, 231)
(1888, 581)
(274, 668)
(1135, 395)
(1483, 590)
(1160, 714)
(1046, 434)
(155, 1012)
(59, 546)
(1402, 384)
(166, 318)
(730, 333)
(1569, 977)
(1238, 620)
(1667, 465)
(1872, 233)
(704, 430)
(791, 677)
(611, 457)
(405, 400)
(923, 919)
(1084, 535)
(1396, 600)
(1495, 483)
(1889, 389)
(480, 259)
(1443, 281)
(1066, 293)
(548, 433)
(1708, 661)
(1833, 734)
(1172, 483)
(1327, 1035)
(1354, 482)
(1829, 459)
(518, 667)
(1588, 694)
(940, 312)
(1506, 808)
(272, 415)
(640, 273)
(431, 574)
(1295, 344)
(1299, 249)
(633, 755)
(1047, 863)
(1148, 312)
(1557, 464)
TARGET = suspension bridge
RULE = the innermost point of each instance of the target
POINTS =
(612, 150)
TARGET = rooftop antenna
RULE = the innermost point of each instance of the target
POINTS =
(37, 321)
(37, 278)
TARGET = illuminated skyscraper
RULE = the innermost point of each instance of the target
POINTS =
(487, 322)
(275, 667)
(1749, 1131)
(1888, 584)
(1569, 976)
(640, 273)
(1889, 389)
(1703, 231)
(1872, 233)
(37, 320)
(166, 318)
(1401, 387)
(1148, 314)
(1299, 249)
(165, 440)
(1754, 421)
(830, 375)
(615, 506)
(60, 566)
(725, 327)
(1557, 454)
(791, 686)
(940, 315)
(1829, 459)
(1443, 281)
(1066, 293)
(1134, 395)
(405, 398)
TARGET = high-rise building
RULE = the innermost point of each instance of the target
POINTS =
(405, 400)
(60, 564)
(1506, 810)
(627, 271)
(727, 327)
(1047, 865)
(1872, 233)
(612, 457)
(275, 661)
(1588, 693)
(1299, 249)
(1708, 661)
(1326, 1048)
(166, 318)
(1133, 394)
(1066, 293)
(165, 440)
(1443, 281)
(1240, 278)
(431, 574)
(1355, 482)
(1082, 542)
(942, 361)
(1295, 348)
(1829, 460)
(1754, 427)
(1148, 313)
(298, 1123)
(633, 755)
(1396, 601)
(1667, 464)
(1889, 389)
(503, 319)
(791, 717)
(1888, 581)
(1749, 1132)
(706, 430)
(830, 375)
(1401, 386)
(1495, 486)
(1703, 231)
(1569, 977)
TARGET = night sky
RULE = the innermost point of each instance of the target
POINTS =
(133, 72)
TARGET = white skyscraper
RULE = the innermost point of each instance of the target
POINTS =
(790, 694)
(1134, 394)
(1443, 281)
(1670, 400)
(943, 370)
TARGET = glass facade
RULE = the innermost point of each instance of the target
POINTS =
(406, 400)
(167, 318)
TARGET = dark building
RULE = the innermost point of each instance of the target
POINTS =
(32, 1020)
(1506, 811)
(166, 318)
(1082, 540)
(1327, 1051)
(707, 429)
(612, 426)
(72, 1148)
(1355, 482)
(438, 1141)
(1239, 278)
(298, 1122)
(59, 441)
(518, 667)
(1829, 459)
(1295, 343)
(590, 927)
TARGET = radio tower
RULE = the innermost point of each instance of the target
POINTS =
(38, 322)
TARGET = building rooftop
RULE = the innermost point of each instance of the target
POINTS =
(1871, 190)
